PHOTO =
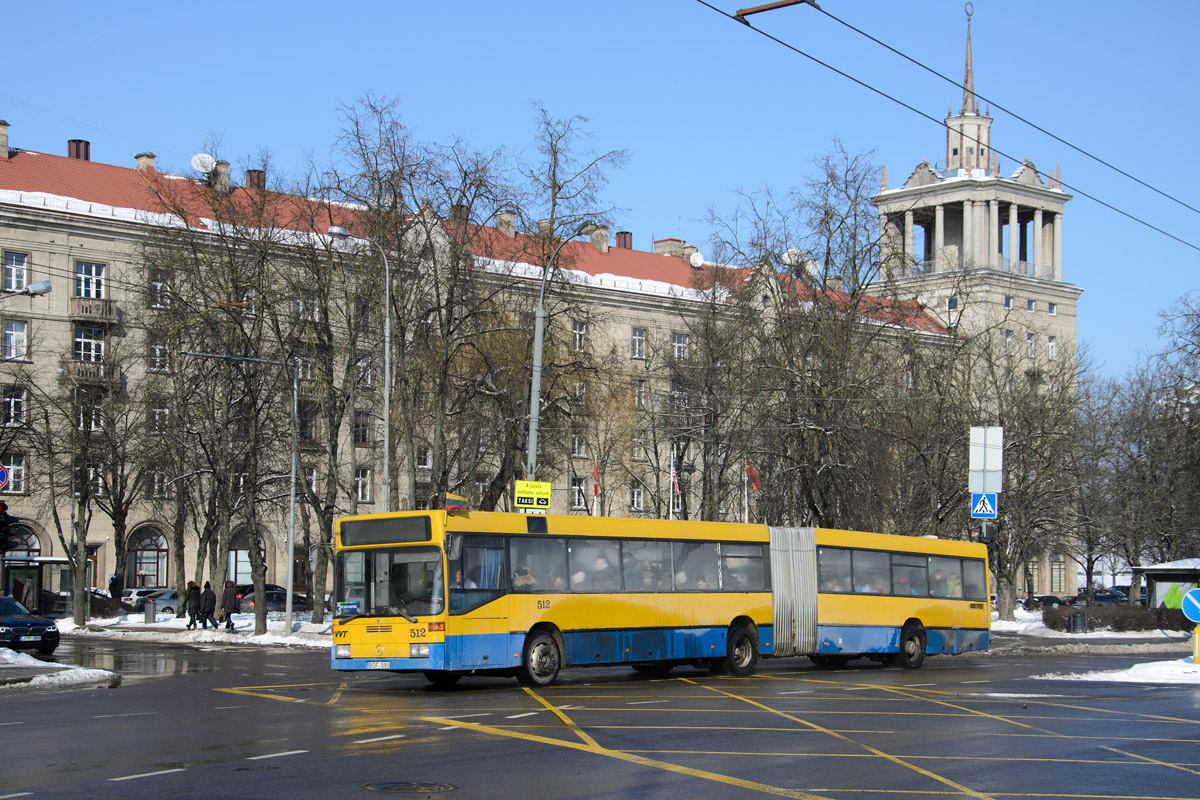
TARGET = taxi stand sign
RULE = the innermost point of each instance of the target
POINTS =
(532, 497)
(1191, 610)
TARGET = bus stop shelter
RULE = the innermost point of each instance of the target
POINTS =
(1166, 583)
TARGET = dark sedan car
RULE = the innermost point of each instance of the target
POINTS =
(1102, 599)
(244, 590)
(1047, 601)
(277, 601)
(21, 629)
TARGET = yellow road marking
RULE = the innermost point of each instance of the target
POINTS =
(634, 759)
(1153, 760)
(565, 719)
(247, 691)
(844, 738)
(336, 695)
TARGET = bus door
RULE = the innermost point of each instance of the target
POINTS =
(794, 590)
(478, 603)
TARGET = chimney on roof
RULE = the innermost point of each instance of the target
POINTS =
(833, 283)
(256, 179)
(145, 161)
(600, 238)
(458, 213)
(79, 149)
(669, 247)
(219, 177)
(625, 240)
(506, 222)
(543, 227)
(3, 139)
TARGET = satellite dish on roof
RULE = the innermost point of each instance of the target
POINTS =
(203, 162)
(697, 260)
(793, 257)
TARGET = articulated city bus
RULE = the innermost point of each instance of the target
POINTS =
(455, 593)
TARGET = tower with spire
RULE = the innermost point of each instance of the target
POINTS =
(980, 248)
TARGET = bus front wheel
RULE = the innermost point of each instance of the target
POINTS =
(912, 647)
(541, 662)
(741, 652)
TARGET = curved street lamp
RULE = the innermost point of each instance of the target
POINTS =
(340, 233)
(33, 290)
(539, 325)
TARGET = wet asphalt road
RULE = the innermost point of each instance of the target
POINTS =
(251, 722)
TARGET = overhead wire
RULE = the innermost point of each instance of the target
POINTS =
(940, 123)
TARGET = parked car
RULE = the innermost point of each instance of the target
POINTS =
(136, 598)
(1047, 601)
(277, 601)
(246, 589)
(165, 601)
(1102, 598)
(21, 629)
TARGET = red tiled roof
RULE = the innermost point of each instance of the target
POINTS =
(153, 192)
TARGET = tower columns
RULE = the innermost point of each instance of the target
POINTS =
(994, 233)
(1014, 231)
(908, 240)
(968, 239)
(1058, 223)
(939, 237)
(1038, 240)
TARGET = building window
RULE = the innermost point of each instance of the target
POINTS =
(309, 417)
(160, 289)
(638, 449)
(639, 394)
(1052, 347)
(637, 343)
(1031, 306)
(1052, 309)
(12, 406)
(159, 483)
(679, 346)
(1008, 341)
(26, 545)
(362, 369)
(14, 271)
(148, 562)
(578, 445)
(304, 365)
(424, 457)
(158, 357)
(310, 479)
(577, 494)
(306, 306)
(636, 496)
(952, 303)
(362, 427)
(160, 416)
(1058, 574)
(93, 479)
(15, 346)
(579, 335)
(89, 413)
(89, 343)
(89, 280)
(362, 484)
(1008, 301)
(1030, 345)
(15, 464)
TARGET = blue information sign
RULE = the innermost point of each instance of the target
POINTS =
(983, 505)
(1191, 605)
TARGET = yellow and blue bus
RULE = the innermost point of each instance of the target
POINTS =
(456, 593)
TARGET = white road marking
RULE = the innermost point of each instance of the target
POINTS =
(147, 774)
(467, 716)
(17, 794)
(645, 702)
(277, 755)
(132, 714)
(799, 691)
(519, 716)
(2, 724)
(380, 739)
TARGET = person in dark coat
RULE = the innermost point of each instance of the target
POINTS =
(229, 603)
(193, 604)
(208, 606)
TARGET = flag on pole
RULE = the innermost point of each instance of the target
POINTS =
(674, 477)
(752, 476)
(455, 502)
(595, 478)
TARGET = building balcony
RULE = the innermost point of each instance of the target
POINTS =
(87, 371)
(93, 309)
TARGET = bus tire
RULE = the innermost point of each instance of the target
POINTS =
(741, 652)
(912, 646)
(541, 661)
(442, 680)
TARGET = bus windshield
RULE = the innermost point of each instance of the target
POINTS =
(404, 582)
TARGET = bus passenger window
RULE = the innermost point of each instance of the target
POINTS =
(652, 566)
(696, 566)
(593, 565)
(539, 565)
(909, 576)
(833, 570)
(974, 580)
(741, 568)
(945, 577)
(872, 572)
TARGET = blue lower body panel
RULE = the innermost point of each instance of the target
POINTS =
(870, 639)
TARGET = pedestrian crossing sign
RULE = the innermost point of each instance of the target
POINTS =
(983, 505)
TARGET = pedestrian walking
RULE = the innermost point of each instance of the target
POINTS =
(193, 604)
(208, 606)
(229, 604)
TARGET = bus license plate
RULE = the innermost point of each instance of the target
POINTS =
(378, 665)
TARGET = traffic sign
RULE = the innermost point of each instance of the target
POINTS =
(983, 505)
(1191, 605)
(3, 476)
(532, 496)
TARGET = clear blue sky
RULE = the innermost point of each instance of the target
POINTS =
(704, 105)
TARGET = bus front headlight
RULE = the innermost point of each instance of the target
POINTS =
(341, 651)
(418, 651)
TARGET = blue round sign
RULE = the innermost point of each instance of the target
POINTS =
(1191, 605)
(3, 476)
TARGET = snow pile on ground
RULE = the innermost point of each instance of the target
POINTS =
(66, 676)
(169, 628)
(1181, 671)
(1029, 623)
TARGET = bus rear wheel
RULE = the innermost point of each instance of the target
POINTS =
(442, 680)
(541, 661)
(741, 652)
(912, 647)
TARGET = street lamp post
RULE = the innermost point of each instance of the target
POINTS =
(539, 326)
(33, 290)
(338, 232)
